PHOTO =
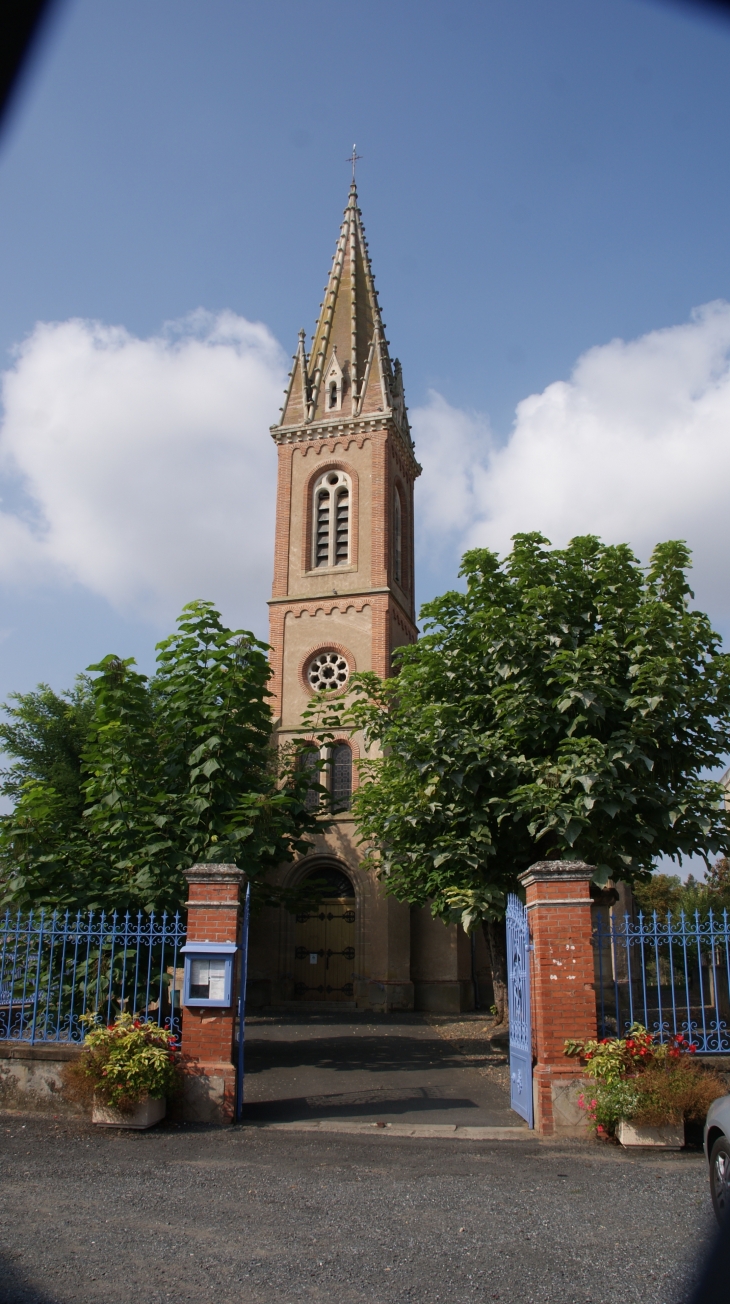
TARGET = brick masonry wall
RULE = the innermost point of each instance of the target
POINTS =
(563, 995)
(208, 1034)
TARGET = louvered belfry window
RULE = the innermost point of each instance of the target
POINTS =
(331, 542)
(397, 538)
(323, 527)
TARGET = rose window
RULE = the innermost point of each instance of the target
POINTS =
(328, 670)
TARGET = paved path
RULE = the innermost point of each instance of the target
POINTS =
(401, 1070)
(252, 1216)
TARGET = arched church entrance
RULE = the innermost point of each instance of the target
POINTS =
(324, 939)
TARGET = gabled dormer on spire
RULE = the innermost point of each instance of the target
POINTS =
(348, 373)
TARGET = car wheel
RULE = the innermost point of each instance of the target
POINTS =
(720, 1177)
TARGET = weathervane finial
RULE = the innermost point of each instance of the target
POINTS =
(354, 156)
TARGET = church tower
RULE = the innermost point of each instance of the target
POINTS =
(343, 601)
(343, 568)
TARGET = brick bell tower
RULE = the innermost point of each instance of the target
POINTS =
(343, 601)
(343, 568)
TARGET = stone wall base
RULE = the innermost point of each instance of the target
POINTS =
(31, 1079)
(383, 996)
(208, 1094)
(444, 997)
(556, 1108)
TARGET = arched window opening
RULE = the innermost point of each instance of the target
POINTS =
(341, 777)
(331, 883)
(331, 542)
(333, 394)
(342, 541)
(309, 761)
(397, 539)
(322, 543)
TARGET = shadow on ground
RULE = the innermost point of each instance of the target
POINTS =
(15, 1287)
(334, 1067)
(352, 1052)
(352, 1105)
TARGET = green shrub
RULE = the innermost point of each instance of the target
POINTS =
(123, 1063)
(641, 1080)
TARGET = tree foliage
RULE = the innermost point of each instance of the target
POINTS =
(171, 770)
(46, 734)
(666, 893)
(567, 705)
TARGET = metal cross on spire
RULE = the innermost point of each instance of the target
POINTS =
(353, 158)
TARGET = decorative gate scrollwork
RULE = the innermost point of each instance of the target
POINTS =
(520, 1022)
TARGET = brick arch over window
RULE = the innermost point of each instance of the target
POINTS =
(333, 464)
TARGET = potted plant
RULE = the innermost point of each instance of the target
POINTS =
(645, 1090)
(127, 1069)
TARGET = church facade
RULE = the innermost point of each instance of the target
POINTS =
(343, 601)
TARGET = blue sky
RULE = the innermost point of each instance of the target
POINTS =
(537, 181)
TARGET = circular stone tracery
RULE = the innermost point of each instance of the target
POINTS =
(328, 670)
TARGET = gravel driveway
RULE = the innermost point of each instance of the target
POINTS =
(256, 1215)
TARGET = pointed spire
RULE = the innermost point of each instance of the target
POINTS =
(349, 372)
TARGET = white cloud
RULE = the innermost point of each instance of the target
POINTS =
(147, 474)
(634, 447)
(146, 466)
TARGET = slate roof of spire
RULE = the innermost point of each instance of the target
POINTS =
(350, 325)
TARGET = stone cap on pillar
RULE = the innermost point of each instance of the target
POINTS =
(557, 871)
(212, 872)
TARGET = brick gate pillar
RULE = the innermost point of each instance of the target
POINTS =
(208, 1035)
(563, 995)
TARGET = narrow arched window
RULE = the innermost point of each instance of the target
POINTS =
(397, 538)
(331, 524)
(309, 761)
(333, 394)
(341, 777)
(322, 527)
(342, 525)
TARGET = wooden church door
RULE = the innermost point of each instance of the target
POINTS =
(324, 955)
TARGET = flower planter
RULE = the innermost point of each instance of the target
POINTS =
(147, 1113)
(668, 1137)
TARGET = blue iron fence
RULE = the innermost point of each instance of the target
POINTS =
(56, 967)
(672, 975)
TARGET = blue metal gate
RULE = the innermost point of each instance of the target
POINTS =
(520, 1022)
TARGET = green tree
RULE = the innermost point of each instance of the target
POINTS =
(174, 770)
(46, 734)
(663, 894)
(666, 892)
(566, 705)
